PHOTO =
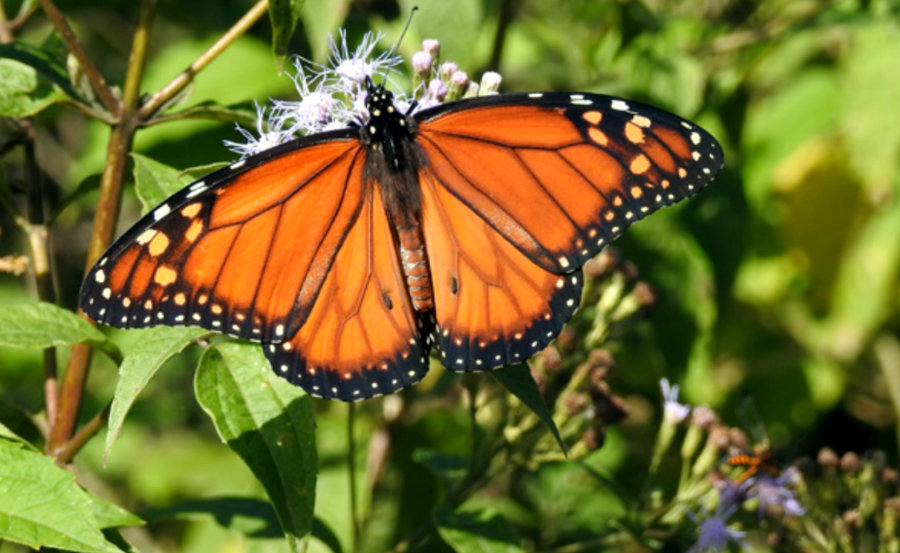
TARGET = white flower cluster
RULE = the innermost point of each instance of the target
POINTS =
(333, 96)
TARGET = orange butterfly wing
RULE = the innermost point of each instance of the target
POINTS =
(223, 252)
(493, 305)
(362, 337)
(521, 190)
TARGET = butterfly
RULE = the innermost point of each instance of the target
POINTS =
(351, 254)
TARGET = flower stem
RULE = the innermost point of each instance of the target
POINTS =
(351, 470)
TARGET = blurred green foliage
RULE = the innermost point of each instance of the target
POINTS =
(778, 283)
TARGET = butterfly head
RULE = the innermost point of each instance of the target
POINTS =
(387, 128)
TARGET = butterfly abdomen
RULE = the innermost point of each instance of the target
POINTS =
(414, 260)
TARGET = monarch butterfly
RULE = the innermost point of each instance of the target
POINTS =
(350, 254)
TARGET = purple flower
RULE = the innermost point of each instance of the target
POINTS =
(775, 493)
(714, 532)
(673, 411)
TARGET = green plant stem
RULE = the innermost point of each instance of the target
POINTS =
(351, 470)
(164, 95)
(111, 182)
(68, 450)
(5, 32)
(98, 83)
(36, 230)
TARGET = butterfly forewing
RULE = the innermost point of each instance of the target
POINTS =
(243, 251)
(561, 175)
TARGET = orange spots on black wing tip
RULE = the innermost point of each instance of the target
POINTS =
(633, 133)
(636, 192)
(158, 244)
(593, 116)
(164, 275)
(191, 210)
(194, 230)
(598, 136)
(639, 164)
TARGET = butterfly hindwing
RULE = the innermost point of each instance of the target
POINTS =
(493, 305)
(362, 337)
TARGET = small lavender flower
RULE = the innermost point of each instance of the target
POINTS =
(432, 46)
(422, 62)
(775, 493)
(447, 69)
(672, 410)
(714, 532)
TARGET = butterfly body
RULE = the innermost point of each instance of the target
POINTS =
(459, 229)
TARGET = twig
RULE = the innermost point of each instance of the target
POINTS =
(98, 83)
(351, 469)
(105, 221)
(159, 99)
(36, 230)
(67, 451)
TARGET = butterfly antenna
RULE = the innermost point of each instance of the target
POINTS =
(396, 46)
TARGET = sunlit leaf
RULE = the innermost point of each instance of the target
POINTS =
(155, 181)
(155, 346)
(43, 325)
(42, 506)
(269, 423)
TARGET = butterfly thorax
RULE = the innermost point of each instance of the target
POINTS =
(393, 160)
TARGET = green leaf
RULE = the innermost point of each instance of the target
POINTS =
(44, 325)
(483, 531)
(32, 78)
(155, 346)
(252, 517)
(155, 181)
(446, 467)
(110, 515)
(42, 506)
(21, 93)
(284, 15)
(269, 423)
(518, 381)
